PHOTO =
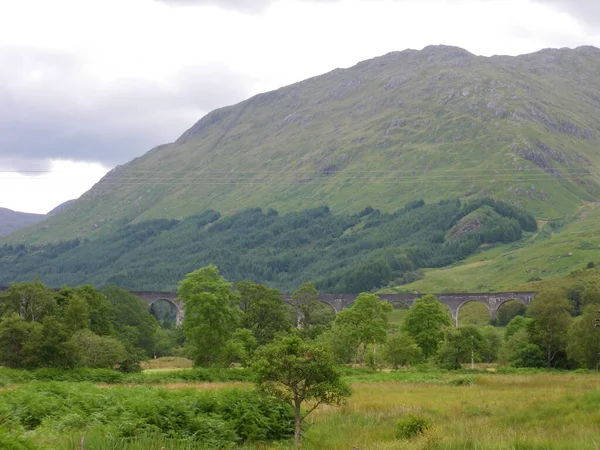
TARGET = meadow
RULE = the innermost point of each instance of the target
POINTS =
(480, 409)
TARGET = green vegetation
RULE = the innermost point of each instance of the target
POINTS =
(296, 372)
(560, 250)
(72, 328)
(66, 333)
(51, 412)
(340, 253)
(434, 124)
(11, 221)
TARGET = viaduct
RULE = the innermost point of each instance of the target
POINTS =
(338, 302)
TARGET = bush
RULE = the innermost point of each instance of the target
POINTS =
(10, 442)
(466, 380)
(221, 419)
(412, 425)
(591, 265)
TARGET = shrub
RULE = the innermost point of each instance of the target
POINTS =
(462, 381)
(412, 425)
(11, 442)
(221, 419)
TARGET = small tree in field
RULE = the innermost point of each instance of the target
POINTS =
(296, 372)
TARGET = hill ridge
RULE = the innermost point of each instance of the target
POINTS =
(441, 121)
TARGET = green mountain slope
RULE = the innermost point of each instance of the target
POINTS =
(430, 124)
(11, 221)
(342, 253)
(560, 248)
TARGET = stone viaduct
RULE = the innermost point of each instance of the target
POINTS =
(338, 302)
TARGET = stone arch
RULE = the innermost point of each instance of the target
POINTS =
(498, 304)
(456, 311)
(324, 302)
(479, 310)
(178, 311)
(294, 305)
(400, 304)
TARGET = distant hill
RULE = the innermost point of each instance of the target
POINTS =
(432, 124)
(11, 221)
(341, 253)
(61, 207)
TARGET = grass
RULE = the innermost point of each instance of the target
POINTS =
(166, 363)
(532, 411)
(551, 253)
(521, 409)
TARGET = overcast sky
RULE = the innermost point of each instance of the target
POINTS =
(89, 84)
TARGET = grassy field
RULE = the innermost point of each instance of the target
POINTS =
(533, 411)
(525, 409)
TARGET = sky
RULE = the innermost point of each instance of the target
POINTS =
(86, 85)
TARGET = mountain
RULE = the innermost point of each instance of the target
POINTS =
(61, 207)
(11, 221)
(432, 124)
(341, 253)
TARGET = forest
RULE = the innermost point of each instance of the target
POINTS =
(338, 252)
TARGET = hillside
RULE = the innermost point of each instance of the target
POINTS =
(539, 261)
(11, 221)
(432, 124)
(341, 253)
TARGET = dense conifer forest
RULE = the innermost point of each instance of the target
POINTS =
(339, 252)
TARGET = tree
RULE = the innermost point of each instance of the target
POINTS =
(425, 322)
(47, 345)
(401, 350)
(14, 334)
(460, 346)
(517, 349)
(492, 340)
(296, 372)
(211, 313)
(90, 350)
(584, 339)
(367, 319)
(550, 325)
(132, 322)
(240, 347)
(305, 299)
(263, 311)
(32, 301)
(100, 310)
(77, 314)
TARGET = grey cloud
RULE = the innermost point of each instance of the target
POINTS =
(52, 110)
(586, 11)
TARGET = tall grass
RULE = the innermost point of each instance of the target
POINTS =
(495, 412)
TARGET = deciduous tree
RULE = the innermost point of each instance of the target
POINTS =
(401, 350)
(584, 339)
(263, 311)
(211, 313)
(367, 319)
(550, 326)
(426, 322)
(297, 372)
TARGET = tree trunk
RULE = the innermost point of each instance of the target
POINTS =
(298, 429)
